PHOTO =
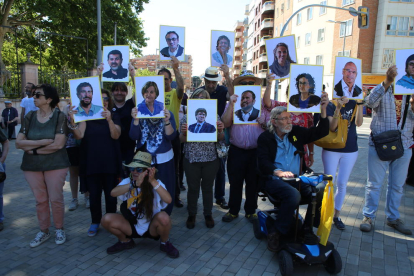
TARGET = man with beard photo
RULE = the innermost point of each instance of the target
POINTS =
(84, 91)
(115, 63)
(247, 113)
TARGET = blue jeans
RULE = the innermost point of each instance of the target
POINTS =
(1, 197)
(396, 179)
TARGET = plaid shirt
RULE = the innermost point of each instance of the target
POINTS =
(384, 116)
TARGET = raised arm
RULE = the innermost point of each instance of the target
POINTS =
(266, 97)
(131, 69)
(227, 117)
(230, 87)
(178, 77)
(375, 97)
(114, 129)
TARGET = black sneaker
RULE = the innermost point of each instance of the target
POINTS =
(171, 251)
(338, 223)
(223, 203)
(120, 246)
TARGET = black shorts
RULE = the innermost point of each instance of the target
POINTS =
(74, 155)
(147, 234)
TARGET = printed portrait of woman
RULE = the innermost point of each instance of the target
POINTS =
(221, 56)
(150, 106)
(305, 85)
(282, 60)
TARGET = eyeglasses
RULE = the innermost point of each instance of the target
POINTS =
(139, 170)
(106, 99)
(282, 119)
(247, 82)
(350, 71)
(37, 95)
(171, 39)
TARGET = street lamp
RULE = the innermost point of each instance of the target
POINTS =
(342, 23)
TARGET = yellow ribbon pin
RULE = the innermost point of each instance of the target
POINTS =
(294, 138)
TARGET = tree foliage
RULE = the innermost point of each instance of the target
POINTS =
(37, 19)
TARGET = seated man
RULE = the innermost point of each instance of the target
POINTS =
(144, 197)
(276, 159)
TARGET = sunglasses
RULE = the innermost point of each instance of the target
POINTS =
(37, 95)
(247, 82)
(139, 170)
(106, 99)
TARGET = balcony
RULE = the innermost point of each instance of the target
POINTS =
(239, 34)
(268, 6)
(263, 57)
(237, 53)
(236, 63)
(262, 40)
(266, 24)
(246, 22)
(238, 24)
(238, 44)
(247, 10)
(262, 73)
(244, 45)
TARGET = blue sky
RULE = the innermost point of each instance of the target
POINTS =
(199, 17)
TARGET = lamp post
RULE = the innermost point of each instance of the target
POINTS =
(342, 23)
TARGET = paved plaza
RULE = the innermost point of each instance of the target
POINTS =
(226, 249)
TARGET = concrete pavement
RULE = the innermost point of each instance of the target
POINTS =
(226, 249)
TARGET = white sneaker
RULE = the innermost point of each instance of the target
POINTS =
(60, 236)
(73, 204)
(41, 237)
(87, 202)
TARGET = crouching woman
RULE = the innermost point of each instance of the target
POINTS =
(143, 199)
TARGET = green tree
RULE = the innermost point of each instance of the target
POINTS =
(144, 73)
(35, 20)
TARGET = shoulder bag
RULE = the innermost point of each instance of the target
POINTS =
(337, 139)
(388, 144)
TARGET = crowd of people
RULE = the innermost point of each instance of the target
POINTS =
(143, 161)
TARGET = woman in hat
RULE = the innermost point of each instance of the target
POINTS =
(99, 169)
(154, 135)
(150, 106)
(201, 164)
(143, 199)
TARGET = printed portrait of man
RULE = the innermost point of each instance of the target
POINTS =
(84, 91)
(174, 48)
(116, 70)
(201, 126)
(247, 112)
(407, 81)
(346, 86)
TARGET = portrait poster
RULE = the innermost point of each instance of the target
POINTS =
(85, 96)
(281, 53)
(222, 48)
(115, 59)
(201, 120)
(149, 96)
(172, 41)
(404, 85)
(347, 73)
(305, 89)
(247, 107)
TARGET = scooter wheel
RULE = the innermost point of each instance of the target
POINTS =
(258, 234)
(285, 263)
(333, 264)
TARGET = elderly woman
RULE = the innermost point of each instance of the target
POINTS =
(143, 197)
(282, 60)
(155, 136)
(150, 106)
(306, 87)
(221, 57)
(100, 159)
(201, 164)
(45, 162)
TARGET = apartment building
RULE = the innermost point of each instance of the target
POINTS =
(238, 48)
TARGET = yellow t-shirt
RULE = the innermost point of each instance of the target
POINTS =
(172, 103)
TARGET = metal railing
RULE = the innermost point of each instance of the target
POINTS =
(60, 80)
(10, 83)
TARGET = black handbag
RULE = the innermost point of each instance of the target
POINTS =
(388, 144)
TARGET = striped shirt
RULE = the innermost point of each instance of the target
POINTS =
(384, 116)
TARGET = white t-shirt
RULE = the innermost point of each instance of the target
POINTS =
(143, 224)
(28, 104)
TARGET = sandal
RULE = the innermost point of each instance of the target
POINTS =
(93, 230)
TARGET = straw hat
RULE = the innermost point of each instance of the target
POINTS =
(212, 74)
(244, 74)
(140, 160)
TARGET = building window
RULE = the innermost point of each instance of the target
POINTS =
(282, 8)
(319, 60)
(309, 14)
(346, 28)
(400, 26)
(306, 60)
(298, 19)
(277, 12)
(288, 4)
(388, 58)
(347, 53)
(322, 10)
(347, 2)
(298, 42)
(308, 38)
(321, 35)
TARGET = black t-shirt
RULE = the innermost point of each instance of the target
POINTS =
(221, 95)
(127, 144)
